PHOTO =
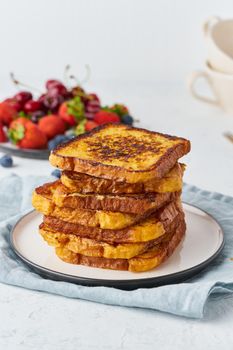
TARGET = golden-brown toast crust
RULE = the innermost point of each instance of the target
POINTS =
(46, 190)
(91, 247)
(144, 262)
(42, 201)
(132, 234)
(86, 217)
(127, 150)
(160, 254)
(133, 204)
(83, 183)
(149, 229)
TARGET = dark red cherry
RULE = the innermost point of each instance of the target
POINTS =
(93, 97)
(52, 103)
(36, 116)
(22, 97)
(41, 98)
(52, 82)
(13, 103)
(57, 90)
(32, 106)
(77, 91)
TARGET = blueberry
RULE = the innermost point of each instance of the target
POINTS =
(56, 173)
(51, 145)
(70, 133)
(127, 119)
(56, 141)
(70, 136)
(60, 138)
(6, 161)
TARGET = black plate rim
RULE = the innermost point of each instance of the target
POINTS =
(120, 284)
(25, 153)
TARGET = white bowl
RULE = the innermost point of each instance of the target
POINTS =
(220, 85)
(219, 40)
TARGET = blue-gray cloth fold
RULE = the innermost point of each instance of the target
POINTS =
(185, 299)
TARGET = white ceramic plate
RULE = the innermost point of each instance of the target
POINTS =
(202, 243)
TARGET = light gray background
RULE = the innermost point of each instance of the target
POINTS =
(140, 53)
(136, 40)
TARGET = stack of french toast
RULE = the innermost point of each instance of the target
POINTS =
(117, 204)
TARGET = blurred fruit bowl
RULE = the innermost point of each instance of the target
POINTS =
(57, 115)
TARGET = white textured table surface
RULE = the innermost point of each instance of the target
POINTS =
(33, 320)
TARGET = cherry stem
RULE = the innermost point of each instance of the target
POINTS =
(86, 78)
(18, 83)
(88, 74)
(65, 76)
(73, 77)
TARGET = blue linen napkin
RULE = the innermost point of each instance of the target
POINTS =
(186, 299)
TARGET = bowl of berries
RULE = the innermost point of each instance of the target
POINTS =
(32, 126)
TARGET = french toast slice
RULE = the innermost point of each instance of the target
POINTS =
(105, 219)
(144, 262)
(121, 153)
(42, 198)
(153, 227)
(91, 247)
(83, 183)
(132, 204)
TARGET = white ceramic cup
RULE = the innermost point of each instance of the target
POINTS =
(219, 42)
(221, 86)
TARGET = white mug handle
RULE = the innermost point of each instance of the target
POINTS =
(208, 24)
(191, 84)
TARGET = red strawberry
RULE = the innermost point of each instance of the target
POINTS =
(19, 121)
(90, 125)
(52, 125)
(63, 113)
(33, 138)
(103, 117)
(25, 134)
(3, 137)
(7, 113)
